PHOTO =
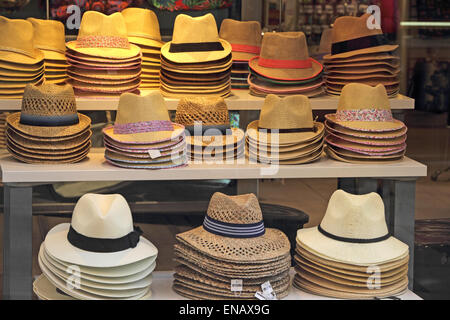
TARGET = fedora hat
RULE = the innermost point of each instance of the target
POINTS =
(364, 108)
(290, 117)
(142, 27)
(244, 36)
(350, 36)
(284, 56)
(195, 40)
(49, 37)
(103, 36)
(353, 231)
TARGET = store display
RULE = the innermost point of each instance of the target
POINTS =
(363, 129)
(99, 255)
(143, 31)
(360, 54)
(287, 71)
(48, 129)
(207, 121)
(143, 137)
(285, 132)
(232, 254)
(196, 62)
(245, 39)
(351, 253)
(102, 61)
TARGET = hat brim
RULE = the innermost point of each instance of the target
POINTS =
(195, 57)
(309, 150)
(377, 49)
(235, 138)
(119, 75)
(145, 137)
(78, 56)
(286, 74)
(371, 126)
(13, 57)
(365, 141)
(114, 53)
(54, 55)
(360, 160)
(280, 89)
(29, 68)
(34, 159)
(364, 149)
(102, 88)
(315, 156)
(141, 41)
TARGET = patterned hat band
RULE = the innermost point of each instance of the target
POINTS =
(245, 48)
(103, 42)
(380, 115)
(143, 126)
(234, 230)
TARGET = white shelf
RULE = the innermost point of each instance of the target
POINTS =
(95, 168)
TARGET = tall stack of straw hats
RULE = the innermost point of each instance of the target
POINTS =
(284, 67)
(3, 116)
(143, 31)
(48, 129)
(363, 129)
(285, 132)
(100, 255)
(351, 254)
(49, 37)
(20, 62)
(196, 62)
(245, 39)
(102, 60)
(232, 244)
(359, 54)
(143, 137)
(207, 122)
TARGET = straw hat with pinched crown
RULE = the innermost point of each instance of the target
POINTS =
(50, 38)
(103, 36)
(16, 44)
(364, 108)
(142, 27)
(195, 40)
(351, 36)
(289, 117)
(248, 239)
(244, 36)
(284, 56)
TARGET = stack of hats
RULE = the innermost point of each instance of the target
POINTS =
(285, 132)
(143, 137)
(20, 62)
(363, 129)
(284, 67)
(50, 39)
(245, 39)
(207, 124)
(100, 255)
(102, 61)
(196, 62)
(143, 31)
(3, 116)
(48, 129)
(351, 254)
(359, 54)
(232, 254)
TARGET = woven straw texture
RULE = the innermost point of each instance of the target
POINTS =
(208, 110)
(49, 100)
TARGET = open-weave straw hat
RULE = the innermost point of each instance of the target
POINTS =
(195, 40)
(244, 36)
(234, 230)
(49, 37)
(142, 27)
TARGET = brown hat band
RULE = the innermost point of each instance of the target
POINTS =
(245, 48)
(103, 42)
(285, 64)
(195, 47)
(358, 43)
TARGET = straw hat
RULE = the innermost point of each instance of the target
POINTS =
(18, 45)
(291, 118)
(284, 56)
(244, 36)
(195, 40)
(143, 119)
(103, 36)
(50, 38)
(364, 108)
(142, 27)
(351, 37)
(353, 231)
(234, 230)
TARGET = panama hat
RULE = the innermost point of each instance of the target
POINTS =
(28, 68)
(103, 36)
(49, 38)
(195, 40)
(142, 27)
(244, 36)
(101, 234)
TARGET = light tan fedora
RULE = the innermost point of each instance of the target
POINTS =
(142, 27)
(49, 37)
(195, 40)
(244, 36)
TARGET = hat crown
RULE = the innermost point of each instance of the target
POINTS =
(102, 216)
(208, 110)
(355, 216)
(134, 108)
(141, 23)
(325, 41)
(241, 32)
(48, 34)
(349, 28)
(188, 29)
(17, 36)
(284, 46)
(95, 23)
(290, 112)
(357, 96)
(241, 209)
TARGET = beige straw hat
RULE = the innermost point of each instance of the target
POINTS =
(49, 37)
(142, 27)
(244, 36)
